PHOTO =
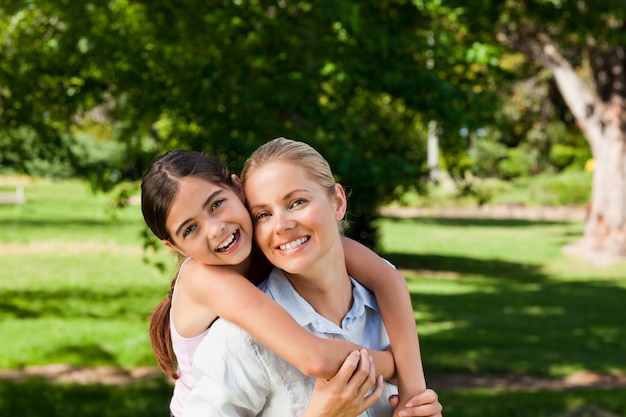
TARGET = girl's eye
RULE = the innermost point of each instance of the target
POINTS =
(217, 203)
(188, 230)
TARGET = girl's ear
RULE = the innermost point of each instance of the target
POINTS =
(341, 202)
(238, 187)
(170, 245)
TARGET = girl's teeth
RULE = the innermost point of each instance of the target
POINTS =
(226, 244)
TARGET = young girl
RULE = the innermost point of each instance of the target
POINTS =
(196, 207)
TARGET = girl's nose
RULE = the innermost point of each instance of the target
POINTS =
(215, 230)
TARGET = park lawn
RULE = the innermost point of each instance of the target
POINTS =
(499, 296)
(36, 397)
(490, 295)
(75, 288)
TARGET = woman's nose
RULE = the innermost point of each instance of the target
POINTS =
(282, 221)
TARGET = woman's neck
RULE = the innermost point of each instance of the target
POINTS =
(327, 288)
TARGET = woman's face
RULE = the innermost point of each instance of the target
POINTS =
(295, 218)
(209, 222)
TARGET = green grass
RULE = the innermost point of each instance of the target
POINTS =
(74, 286)
(498, 296)
(490, 296)
(494, 403)
(35, 397)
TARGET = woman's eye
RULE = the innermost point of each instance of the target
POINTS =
(216, 204)
(188, 230)
(298, 202)
(261, 215)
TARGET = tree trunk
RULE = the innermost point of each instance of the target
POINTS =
(605, 230)
(601, 115)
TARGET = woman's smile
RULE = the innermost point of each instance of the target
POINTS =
(294, 244)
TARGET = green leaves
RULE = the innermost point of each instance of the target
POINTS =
(358, 80)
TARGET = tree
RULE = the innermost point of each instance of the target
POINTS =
(352, 78)
(582, 44)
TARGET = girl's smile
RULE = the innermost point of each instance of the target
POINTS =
(209, 223)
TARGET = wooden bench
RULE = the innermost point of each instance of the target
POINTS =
(16, 197)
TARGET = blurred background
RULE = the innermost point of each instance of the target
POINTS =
(482, 143)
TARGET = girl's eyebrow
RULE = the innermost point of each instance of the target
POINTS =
(206, 203)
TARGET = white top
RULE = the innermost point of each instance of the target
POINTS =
(236, 375)
(184, 349)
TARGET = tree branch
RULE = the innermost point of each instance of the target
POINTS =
(585, 105)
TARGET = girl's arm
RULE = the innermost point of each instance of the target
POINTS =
(233, 297)
(394, 301)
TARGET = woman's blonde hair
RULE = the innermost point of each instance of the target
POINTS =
(299, 153)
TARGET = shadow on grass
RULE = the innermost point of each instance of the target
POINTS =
(482, 222)
(489, 403)
(504, 316)
(77, 302)
(95, 353)
(37, 398)
(459, 265)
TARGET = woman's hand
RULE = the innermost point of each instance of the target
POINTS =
(425, 404)
(345, 394)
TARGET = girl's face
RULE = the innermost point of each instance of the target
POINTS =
(209, 222)
(295, 218)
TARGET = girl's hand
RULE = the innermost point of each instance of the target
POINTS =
(345, 394)
(425, 404)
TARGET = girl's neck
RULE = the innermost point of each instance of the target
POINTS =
(244, 267)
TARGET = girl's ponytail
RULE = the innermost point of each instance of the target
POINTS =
(160, 335)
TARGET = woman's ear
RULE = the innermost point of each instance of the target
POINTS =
(170, 245)
(341, 202)
(238, 187)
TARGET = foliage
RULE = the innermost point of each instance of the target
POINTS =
(480, 190)
(571, 187)
(568, 188)
(532, 131)
(357, 80)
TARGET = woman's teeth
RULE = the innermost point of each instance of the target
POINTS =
(294, 244)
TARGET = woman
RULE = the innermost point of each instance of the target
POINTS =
(296, 207)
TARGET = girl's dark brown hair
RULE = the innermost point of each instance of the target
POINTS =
(158, 188)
